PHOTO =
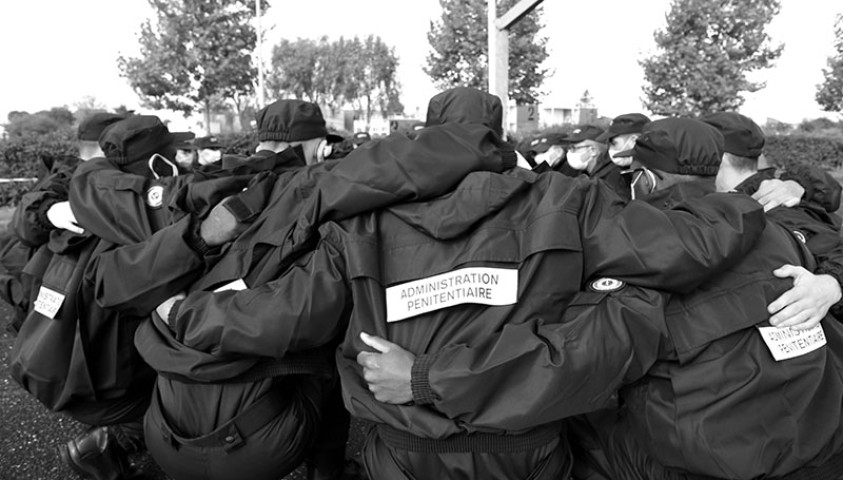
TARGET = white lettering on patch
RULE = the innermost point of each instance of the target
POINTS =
(48, 302)
(785, 343)
(480, 285)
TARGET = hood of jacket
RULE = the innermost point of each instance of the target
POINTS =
(466, 105)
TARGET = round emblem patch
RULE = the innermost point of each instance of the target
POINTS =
(606, 285)
(155, 196)
(800, 236)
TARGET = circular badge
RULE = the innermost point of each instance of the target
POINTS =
(606, 285)
(155, 196)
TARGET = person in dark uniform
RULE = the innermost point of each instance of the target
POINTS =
(548, 152)
(531, 238)
(285, 407)
(702, 388)
(621, 135)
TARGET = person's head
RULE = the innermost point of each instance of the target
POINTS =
(295, 124)
(208, 150)
(621, 135)
(743, 144)
(186, 151)
(89, 131)
(548, 148)
(584, 148)
(466, 105)
(133, 142)
(674, 150)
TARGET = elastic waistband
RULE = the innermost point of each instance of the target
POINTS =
(471, 442)
(234, 432)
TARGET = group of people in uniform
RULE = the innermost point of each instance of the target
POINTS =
(647, 301)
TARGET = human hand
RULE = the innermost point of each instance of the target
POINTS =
(389, 372)
(774, 192)
(164, 309)
(220, 226)
(61, 216)
(803, 306)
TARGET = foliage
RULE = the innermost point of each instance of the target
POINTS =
(40, 123)
(459, 45)
(799, 149)
(706, 51)
(196, 55)
(29, 155)
(830, 93)
(357, 72)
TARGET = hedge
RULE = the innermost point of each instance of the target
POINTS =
(29, 155)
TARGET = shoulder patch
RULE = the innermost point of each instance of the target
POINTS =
(155, 196)
(606, 285)
(801, 236)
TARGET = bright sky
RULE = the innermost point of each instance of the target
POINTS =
(593, 45)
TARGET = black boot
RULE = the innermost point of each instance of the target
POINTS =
(95, 455)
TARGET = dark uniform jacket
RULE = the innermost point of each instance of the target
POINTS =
(396, 168)
(717, 403)
(548, 231)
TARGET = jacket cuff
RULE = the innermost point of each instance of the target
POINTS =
(803, 178)
(194, 238)
(43, 220)
(836, 271)
(508, 158)
(173, 315)
(420, 380)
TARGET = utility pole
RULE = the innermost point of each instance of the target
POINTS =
(498, 55)
(261, 100)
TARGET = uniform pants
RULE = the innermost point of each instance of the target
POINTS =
(381, 462)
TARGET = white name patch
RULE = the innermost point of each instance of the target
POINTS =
(785, 343)
(481, 285)
(48, 302)
(238, 284)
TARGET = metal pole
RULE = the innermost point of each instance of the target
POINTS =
(261, 101)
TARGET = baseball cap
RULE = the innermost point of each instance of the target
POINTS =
(185, 140)
(584, 132)
(137, 138)
(207, 142)
(291, 121)
(92, 126)
(543, 144)
(679, 145)
(742, 136)
(624, 124)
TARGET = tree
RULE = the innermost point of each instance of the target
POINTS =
(459, 43)
(197, 55)
(371, 78)
(830, 92)
(57, 119)
(706, 51)
(353, 72)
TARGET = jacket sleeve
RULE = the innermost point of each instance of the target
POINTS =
(114, 205)
(304, 308)
(820, 187)
(674, 249)
(542, 371)
(166, 263)
(29, 220)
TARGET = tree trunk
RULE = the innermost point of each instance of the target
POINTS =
(207, 117)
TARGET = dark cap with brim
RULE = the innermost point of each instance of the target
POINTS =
(583, 133)
(680, 145)
(543, 144)
(184, 140)
(291, 121)
(92, 127)
(742, 136)
(207, 142)
(623, 125)
(136, 138)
